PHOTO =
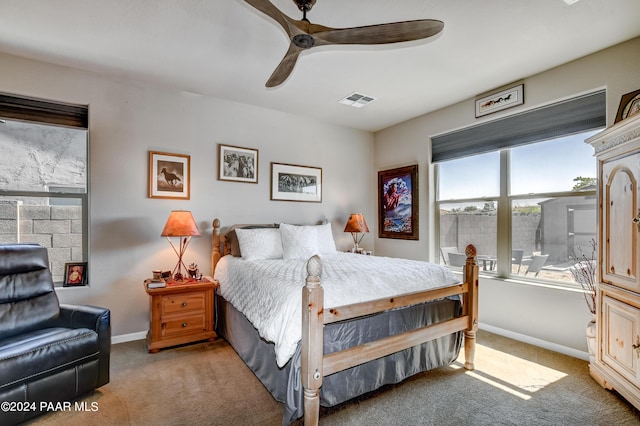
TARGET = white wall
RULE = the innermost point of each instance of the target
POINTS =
(551, 315)
(128, 119)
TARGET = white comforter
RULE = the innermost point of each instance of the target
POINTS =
(268, 292)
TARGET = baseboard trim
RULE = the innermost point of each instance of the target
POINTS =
(536, 342)
(123, 338)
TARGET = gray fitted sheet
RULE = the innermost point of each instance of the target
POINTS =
(285, 384)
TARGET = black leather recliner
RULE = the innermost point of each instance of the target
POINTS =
(49, 353)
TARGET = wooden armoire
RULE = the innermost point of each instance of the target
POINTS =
(617, 360)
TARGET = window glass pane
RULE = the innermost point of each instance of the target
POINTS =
(552, 166)
(467, 223)
(39, 164)
(554, 236)
(42, 158)
(470, 177)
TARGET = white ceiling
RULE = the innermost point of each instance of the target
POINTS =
(227, 49)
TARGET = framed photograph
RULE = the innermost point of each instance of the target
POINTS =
(169, 175)
(398, 203)
(237, 164)
(75, 274)
(629, 105)
(499, 101)
(296, 183)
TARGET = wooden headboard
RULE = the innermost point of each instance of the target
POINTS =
(220, 244)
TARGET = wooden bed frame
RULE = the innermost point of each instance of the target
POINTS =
(316, 365)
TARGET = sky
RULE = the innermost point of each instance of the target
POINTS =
(548, 166)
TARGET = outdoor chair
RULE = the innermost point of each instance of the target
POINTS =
(516, 258)
(536, 264)
(457, 259)
(444, 251)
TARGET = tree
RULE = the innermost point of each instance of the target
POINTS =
(583, 182)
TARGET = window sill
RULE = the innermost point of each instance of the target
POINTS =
(574, 288)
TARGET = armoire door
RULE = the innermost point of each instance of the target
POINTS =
(620, 225)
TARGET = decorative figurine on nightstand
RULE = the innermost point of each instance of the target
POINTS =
(194, 271)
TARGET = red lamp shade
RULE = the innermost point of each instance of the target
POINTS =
(356, 224)
(180, 224)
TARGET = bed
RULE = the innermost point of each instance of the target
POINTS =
(313, 340)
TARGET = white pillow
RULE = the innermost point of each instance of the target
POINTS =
(260, 243)
(298, 242)
(326, 244)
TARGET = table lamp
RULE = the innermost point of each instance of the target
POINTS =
(182, 225)
(356, 224)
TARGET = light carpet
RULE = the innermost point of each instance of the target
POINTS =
(207, 384)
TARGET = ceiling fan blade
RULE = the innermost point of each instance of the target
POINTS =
(394, 32)
(285, 67)
(266, 7)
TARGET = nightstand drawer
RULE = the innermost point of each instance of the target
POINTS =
(184, 325)
(192, 301)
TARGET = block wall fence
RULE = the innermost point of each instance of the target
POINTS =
(58, 228)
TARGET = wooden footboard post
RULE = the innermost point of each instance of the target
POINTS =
(471, 306)
(312, 335)
(215, 245)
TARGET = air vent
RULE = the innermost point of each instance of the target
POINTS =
(357, 100)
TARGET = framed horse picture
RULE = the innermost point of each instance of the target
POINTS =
(398, 203)
(237, 164)
(169, 175)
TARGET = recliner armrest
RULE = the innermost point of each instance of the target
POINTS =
(94, 318)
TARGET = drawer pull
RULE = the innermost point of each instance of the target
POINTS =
(184, 324)
(184, 304)
(636, 347)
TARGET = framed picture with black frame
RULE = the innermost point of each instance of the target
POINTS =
(237, 164)
(75, 274)
(398, 203)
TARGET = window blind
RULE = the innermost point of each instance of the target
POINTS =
(575, 115)
(42, 111)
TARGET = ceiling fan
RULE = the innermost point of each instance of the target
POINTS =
(305, 35)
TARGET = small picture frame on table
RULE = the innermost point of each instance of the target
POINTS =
(75, 274)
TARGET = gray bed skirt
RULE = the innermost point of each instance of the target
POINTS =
(284, 383)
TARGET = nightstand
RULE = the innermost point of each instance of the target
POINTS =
(180, 313)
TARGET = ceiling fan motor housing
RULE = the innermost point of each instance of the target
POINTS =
(304, 5)
(303, 41)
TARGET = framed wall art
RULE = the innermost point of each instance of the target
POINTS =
(169, 175)
(237, 164)
(629, 105)
(398, 203)
(500, 100)
(75, 274)
(296, 183)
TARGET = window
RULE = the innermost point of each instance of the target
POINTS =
(528, 207)
(43, 179)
